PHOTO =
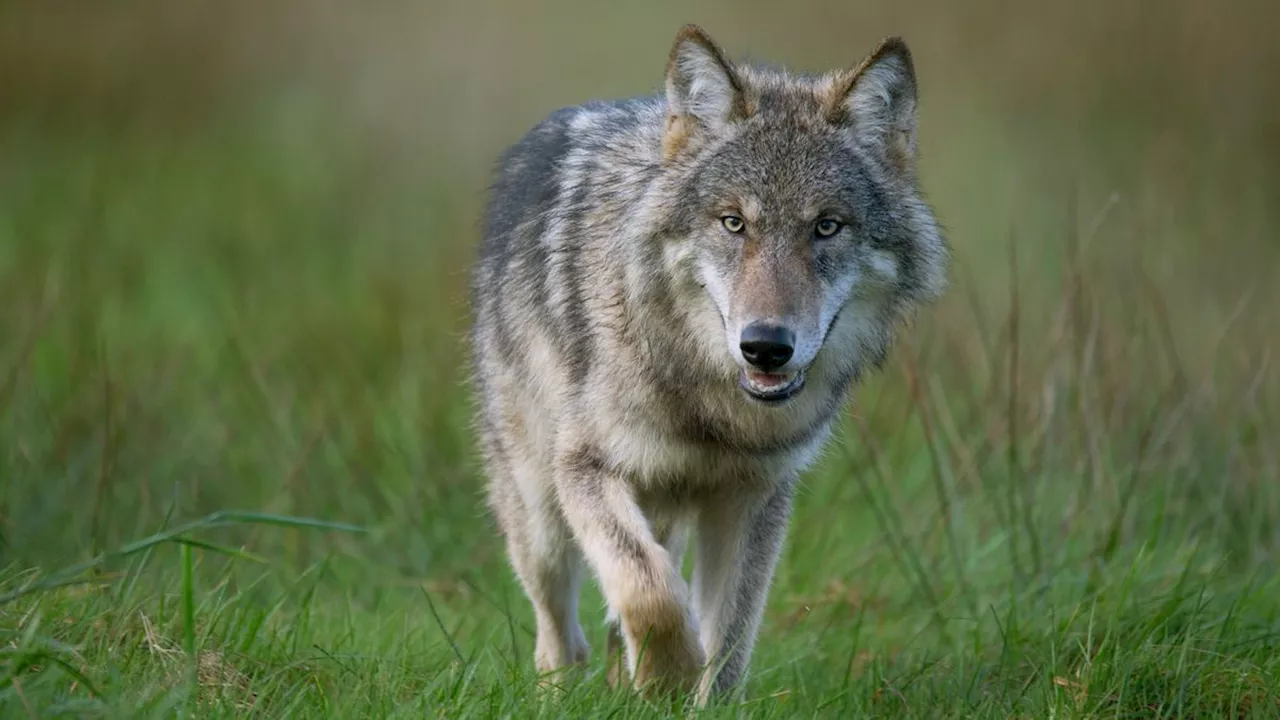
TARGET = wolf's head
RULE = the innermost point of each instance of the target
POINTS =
(799, 210)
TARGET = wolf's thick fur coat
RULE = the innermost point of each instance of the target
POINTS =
(628, 246)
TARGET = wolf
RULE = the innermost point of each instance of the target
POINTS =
(672, 297)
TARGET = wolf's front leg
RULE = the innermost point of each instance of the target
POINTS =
(739, 539)
(639, 578)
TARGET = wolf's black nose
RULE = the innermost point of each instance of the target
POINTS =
(767, 347)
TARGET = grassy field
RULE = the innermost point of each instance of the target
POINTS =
(236, 472)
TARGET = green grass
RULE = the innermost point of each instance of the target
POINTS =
(1059, 500)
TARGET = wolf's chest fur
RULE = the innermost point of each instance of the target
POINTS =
(689, 442)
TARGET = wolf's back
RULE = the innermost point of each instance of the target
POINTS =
(544, 212)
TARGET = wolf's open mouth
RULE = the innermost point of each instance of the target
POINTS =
(770, 387)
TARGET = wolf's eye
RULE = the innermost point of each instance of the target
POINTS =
(826, 228)
(733, 224)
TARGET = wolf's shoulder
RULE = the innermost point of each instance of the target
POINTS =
(529, 173)
(595, 123)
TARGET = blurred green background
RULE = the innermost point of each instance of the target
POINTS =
(234, 247)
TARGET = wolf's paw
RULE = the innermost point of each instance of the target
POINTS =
(669, 662)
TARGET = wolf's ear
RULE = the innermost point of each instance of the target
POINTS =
(877, 99)
(702, 87)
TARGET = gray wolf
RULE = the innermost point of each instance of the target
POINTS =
(671, 300)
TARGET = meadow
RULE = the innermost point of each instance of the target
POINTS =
(237, 475)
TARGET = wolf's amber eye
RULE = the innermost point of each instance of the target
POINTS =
(733, 224)
(826, 228)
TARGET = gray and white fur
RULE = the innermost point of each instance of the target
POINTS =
(672, 298)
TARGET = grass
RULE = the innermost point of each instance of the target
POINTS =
(237, 478)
